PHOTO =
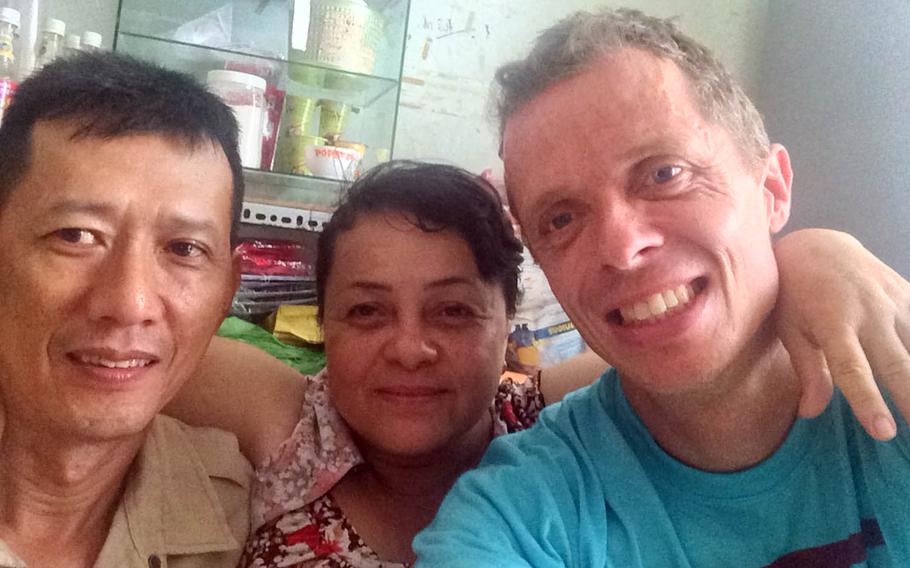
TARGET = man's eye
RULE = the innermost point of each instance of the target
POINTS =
(185, 249)
(664, 174)
(75, 236)
(560, 221)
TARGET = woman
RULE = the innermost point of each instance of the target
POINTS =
(417, 279)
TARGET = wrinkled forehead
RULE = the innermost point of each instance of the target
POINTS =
(626, 98)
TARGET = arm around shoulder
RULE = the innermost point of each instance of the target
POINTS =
(572, 374)
(244, 390)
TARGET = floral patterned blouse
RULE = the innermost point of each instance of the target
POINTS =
(296, 522)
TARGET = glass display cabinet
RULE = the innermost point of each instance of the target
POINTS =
(315, 83)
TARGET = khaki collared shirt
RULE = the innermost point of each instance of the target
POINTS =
(186, 503)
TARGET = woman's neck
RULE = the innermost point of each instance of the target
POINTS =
(390, 498)
(421, 476)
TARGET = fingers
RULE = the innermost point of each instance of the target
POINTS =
(809, 363)
(891, 364)
(851, 372)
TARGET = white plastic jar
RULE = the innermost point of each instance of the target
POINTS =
(245, 94)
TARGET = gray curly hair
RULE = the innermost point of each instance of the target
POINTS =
(573, 44)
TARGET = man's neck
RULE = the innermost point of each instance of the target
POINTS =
(740, 418)
(59, 495)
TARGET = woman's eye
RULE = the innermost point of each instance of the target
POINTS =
(664, 174)
(75, 236)
(457, 311)
(363, 311)
(185, 249)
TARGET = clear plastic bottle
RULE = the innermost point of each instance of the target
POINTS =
(9, 30)
(91, 41)
(51, 42)
(72, 45)
(9, 27)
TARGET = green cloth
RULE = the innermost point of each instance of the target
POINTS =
(306, 360)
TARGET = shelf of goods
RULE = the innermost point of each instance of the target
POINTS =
(322, 101)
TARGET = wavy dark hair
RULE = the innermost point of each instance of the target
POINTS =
(434, 197)
(109, 95)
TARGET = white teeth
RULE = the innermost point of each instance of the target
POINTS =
(642, 311)
(657, 305)
(682, 293)
(111, 364)
(628, 314)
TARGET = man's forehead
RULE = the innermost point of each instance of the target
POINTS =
(71, 134)
(614, 82)
(626, 103)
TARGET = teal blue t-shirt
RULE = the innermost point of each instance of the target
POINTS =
(588, 487)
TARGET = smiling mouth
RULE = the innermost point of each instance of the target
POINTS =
(658, 306)
(98, 361)
(411, 392)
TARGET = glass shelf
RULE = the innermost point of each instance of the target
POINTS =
(252, 36)
(256, 27)
(286, 190)
(319, 82)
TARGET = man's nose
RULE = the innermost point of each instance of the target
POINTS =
(626, 235)
(126, 288)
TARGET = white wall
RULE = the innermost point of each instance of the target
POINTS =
(455, 46)
(834, 89)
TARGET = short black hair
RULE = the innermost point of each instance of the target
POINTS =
(434, 197)
(109, 95)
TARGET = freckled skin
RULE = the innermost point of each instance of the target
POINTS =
(607, 231)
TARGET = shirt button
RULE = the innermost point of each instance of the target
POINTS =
(154, 561)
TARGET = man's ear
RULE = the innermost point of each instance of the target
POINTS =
(776, 183)
(235, 279)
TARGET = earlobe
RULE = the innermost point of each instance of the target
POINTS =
(777, 183)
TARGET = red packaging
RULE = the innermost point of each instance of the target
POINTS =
(276, 258)
(7, 88)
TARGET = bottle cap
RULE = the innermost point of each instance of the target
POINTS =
(10, 16)
(91, 39)
(55, 26)
(72, 41)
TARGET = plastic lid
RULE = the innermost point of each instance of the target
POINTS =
(55, 26)
(10, 16)
(91, 39)
(72, 41)
(227, 76)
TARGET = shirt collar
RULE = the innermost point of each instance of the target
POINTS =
(169, 502)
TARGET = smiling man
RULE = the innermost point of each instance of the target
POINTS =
(118, 185)
(658, 243)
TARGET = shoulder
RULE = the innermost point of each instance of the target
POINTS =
(217, 450)
(185, 451)
(319, 452)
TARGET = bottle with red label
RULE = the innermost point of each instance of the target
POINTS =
(9, 27)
